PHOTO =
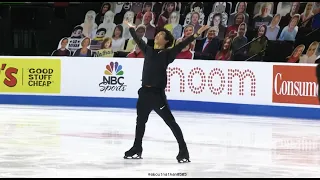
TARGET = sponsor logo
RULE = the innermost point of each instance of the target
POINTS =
(30, 75)
(113, 79)
(218, 81)
(294, 84)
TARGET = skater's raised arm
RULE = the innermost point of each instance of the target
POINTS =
(140, 42)
(178, 48)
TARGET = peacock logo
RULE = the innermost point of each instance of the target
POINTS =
(114, 69)
(113, 79)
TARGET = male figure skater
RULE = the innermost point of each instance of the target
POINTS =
(152, 93)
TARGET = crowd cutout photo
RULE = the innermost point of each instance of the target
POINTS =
(103, 33)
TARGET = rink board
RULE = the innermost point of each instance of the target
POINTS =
(246, 88)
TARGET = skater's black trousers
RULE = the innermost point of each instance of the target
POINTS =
(155, 99)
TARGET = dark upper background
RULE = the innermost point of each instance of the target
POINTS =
(36, 29)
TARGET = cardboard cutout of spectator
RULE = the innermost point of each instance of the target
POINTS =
(76, 38)
(84, 50)
(195, 22)
(207, 48)
(148, 21)
(316, 8)
(136, 7)
(118, 18)
(256, 47)
(287, 10)
(307, 14)
(118, 41)
(77, 32)
(198, 8)
(186, 53)
(128, 16)
(316, 19)
(89, 26)
(108, 23)
(225, 52)
(241, 7)
(105, 48)
(107, 6)
(118, 7)
(136, 53)
(290, 31)
(216, 20)
(173, 25)
(147, 7)
(167, 9)
(274, 28)
(62, 48)
(188, 31)
(296, 53)
(140, 31)
(239, 41)
(311, 54)
(283, 8)
(263, 16)
(98, 39)
(233, 29)
(157, 10)
(219, 7)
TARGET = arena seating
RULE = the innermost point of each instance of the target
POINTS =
(38, 30)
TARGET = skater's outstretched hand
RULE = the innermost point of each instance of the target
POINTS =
(203, 28)
(129, 24)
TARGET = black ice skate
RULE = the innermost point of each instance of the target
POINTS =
(183, 156)
(133, 153)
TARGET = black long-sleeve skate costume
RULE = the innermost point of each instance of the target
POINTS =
(152, 93)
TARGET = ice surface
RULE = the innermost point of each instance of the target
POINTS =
(90, 142)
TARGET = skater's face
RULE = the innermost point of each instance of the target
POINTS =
(160, 39)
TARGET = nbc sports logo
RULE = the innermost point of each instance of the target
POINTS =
(113, 69)
(113, 79)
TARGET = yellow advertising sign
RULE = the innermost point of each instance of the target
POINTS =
(30, 75)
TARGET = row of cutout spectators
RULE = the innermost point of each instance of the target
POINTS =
(112, 14)
(208, 48)
(109, 29)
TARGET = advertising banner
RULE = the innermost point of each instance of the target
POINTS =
(30, 75)
(295, 85)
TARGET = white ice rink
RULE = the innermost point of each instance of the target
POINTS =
(68, 142)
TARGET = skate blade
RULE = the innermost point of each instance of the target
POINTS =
(184, 161)
(133, 157)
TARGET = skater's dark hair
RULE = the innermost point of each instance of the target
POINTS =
(169, 37)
